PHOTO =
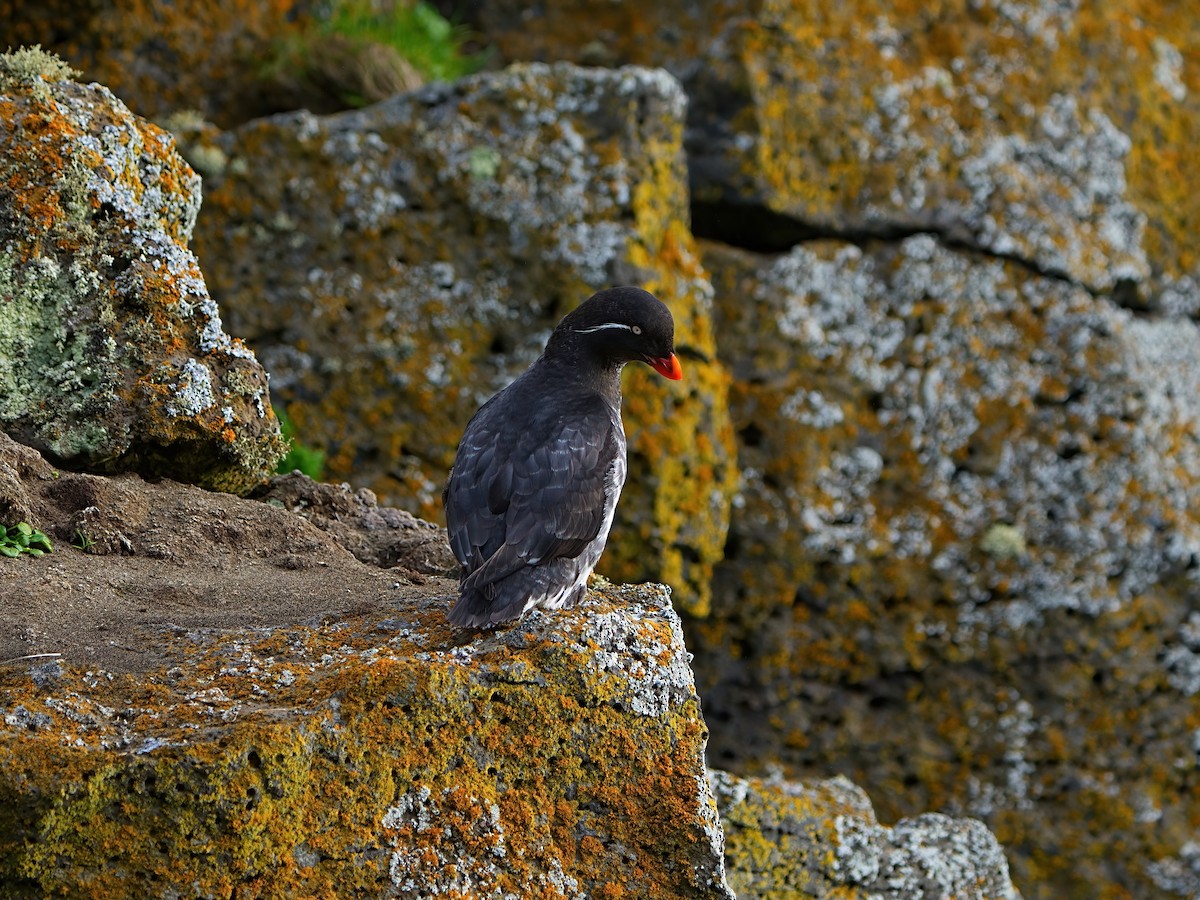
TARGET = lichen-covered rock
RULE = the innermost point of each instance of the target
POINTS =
(962, 565)
(112, 353)
(820, 839)
(1057, 133)
(395, 266)
(381, 756)
(334, 737)
(213, 56)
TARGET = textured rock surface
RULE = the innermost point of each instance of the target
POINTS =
(374, 757)
(962, 563)
(206, 55)
(112, 353)
(377, 535)
(224, 701)
(1058, 133)
(396, 266)
(217, 698)
(963, 560)
(821, 839)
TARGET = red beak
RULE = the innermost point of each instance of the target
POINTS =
(667, 367)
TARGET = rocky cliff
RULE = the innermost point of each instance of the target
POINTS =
(211, 696)
(929, 508)
(214, 697)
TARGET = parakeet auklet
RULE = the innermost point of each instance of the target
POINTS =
(538, 471)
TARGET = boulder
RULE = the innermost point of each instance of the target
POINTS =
(384, 755)
(112, 353)
(963, 562)
(1058, 135)
(225, 700)
(821, 839)
(395, 266)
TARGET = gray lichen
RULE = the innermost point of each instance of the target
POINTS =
(33, 66)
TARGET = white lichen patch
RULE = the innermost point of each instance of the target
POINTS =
(1178, 875)
(1037, 20)
(448, 853)
(1047, 186)
(193, 390)
(652, 675)
(931, 855)
(965, 361)
(1182, 657)
(1168, 69)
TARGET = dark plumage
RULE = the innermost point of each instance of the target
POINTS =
(538, 471)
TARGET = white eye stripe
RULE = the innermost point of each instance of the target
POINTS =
(632, 328)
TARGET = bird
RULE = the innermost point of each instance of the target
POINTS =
(530, 498)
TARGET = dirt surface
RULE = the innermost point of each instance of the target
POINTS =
(162, 556)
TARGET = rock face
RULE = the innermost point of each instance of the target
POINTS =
(965, 544)
(218, 698)
(396, 266)
(960, 325)
(112, 353)
(381, 754)
(821, 839)
(948, 294)
(1054, 133)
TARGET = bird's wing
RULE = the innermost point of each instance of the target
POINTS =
(529, 495)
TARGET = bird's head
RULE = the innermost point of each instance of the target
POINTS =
(620, 325)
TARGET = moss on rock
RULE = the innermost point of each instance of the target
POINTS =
(112, 353)
(381, 756)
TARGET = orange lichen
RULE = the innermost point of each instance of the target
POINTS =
(333, 759)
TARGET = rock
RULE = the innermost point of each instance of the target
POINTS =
(112, 352)
(395, 266)
(821, 839)
(381, 755)
(377, 535)
(982, 567)
(19, 464)
(1058, 134)
(963, 559)
(168, 57)
(237, 703)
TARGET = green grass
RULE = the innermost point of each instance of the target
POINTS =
(416, 31)
(308, 460)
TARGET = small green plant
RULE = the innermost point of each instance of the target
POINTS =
(83, 541)
(416, 31)
(352, 53)
(308, 460)
(23, 538)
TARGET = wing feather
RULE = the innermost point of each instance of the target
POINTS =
(527, 492)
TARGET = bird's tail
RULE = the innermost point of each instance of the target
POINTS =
(485, 605)
(483, 608)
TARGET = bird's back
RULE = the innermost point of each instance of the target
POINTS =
(530, 499)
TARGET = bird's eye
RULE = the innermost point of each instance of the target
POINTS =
(637, 329)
